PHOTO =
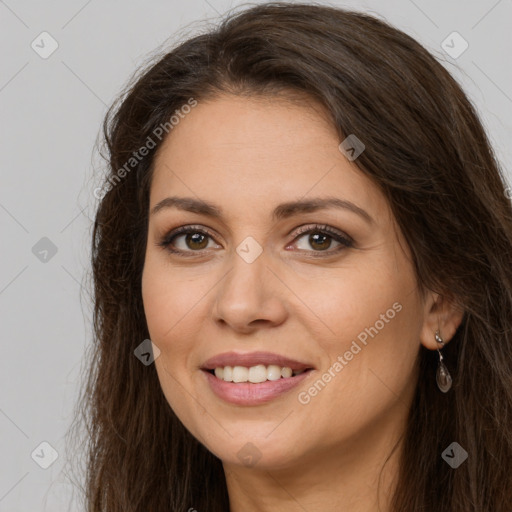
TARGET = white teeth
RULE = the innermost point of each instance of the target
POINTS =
(286, 372)
(240, 374)
(254, 374)
(228, 374)
(273, 372)
(257, 373)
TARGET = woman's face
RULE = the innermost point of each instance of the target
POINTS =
(245, 280)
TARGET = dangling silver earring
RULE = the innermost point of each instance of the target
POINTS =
(443, 377)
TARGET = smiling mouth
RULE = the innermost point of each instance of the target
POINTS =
(255, 374)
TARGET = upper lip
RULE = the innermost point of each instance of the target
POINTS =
(252, 359)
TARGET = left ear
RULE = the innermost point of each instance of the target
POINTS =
(441, 313)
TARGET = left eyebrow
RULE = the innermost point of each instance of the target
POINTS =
(286, 210)
(282, 211)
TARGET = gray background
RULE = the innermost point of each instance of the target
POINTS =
(51, 111)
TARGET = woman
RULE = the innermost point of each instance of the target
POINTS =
(305, 217)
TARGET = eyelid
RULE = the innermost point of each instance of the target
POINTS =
(307, 228)
(165, 240)
(345, 240)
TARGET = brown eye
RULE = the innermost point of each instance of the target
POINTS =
(186, 239)
(196, 240)
(320, 241)
(321, 237)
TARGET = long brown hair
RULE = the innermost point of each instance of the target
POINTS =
(427, 151)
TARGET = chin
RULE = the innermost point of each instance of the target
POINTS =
(258, 452)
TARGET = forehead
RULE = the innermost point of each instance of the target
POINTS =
(242, 151)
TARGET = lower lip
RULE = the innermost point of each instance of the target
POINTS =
(247, 393)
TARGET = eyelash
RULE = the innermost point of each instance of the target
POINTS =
(323, 229)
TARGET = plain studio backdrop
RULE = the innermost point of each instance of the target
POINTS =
(63, 62)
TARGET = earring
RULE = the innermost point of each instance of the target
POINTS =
(443, 377)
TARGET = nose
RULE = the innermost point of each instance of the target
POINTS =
(250, 296)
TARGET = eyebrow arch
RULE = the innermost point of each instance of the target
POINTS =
(282, 211)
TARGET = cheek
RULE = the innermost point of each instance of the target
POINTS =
(370, 364)
(169, 303)
(166, 303)
(372, 320)
(176, 308)
(347, 302)
(168, 298)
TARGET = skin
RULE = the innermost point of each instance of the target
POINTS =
(247, 155)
